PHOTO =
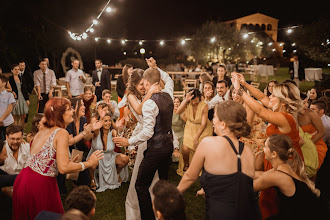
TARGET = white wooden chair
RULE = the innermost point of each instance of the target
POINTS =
(179, 94)
(189, 84)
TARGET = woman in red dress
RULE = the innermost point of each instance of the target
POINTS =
(281, 114)
(35, 188)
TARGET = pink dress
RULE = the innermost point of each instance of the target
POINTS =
(35, 188)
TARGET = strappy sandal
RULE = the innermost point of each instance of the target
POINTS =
(93, 185)
(185, 168)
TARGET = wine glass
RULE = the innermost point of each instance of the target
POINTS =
(121, 131)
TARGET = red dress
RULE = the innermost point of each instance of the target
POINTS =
(268, 200)
(35, 188)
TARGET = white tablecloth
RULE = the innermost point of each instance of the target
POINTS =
(313, 74)
(265, 70)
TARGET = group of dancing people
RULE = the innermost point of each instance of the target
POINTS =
(256, 154)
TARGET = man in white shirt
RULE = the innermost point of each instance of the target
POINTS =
(157, 131)
(14, 155)
(297, 70)
(222, 94)
(113, 106)
(75, 79)
(45, 82)
(319, 107)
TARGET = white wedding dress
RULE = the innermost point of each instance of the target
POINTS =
(132, 203)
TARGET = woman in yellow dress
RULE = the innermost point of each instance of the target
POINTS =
(197, 126)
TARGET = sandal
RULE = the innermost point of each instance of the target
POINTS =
(185, 168)
(93, 185)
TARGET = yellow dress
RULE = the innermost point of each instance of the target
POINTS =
(190, 130)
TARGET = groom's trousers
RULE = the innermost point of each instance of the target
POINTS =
(154, 159)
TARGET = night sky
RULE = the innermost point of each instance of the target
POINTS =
(152, 19)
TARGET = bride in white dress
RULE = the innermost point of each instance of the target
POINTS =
(134, 97)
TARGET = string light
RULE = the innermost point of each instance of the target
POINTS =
(109, 41)
(108, 9)
(75, 36)
(140, 42)
(183, 42)
(123, 42)
(161, 42)
(212, 40)
(245, 36)
(96, 39)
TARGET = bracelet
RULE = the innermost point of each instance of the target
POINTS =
(82, 166)
(239, 91)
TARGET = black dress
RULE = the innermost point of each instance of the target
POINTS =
(302, 205)
(230, 196)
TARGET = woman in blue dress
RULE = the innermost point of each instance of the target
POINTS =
(112, 169)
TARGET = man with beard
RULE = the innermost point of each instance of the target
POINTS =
(13, 156)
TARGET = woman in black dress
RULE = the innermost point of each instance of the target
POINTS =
(122, 80)
(227, 167)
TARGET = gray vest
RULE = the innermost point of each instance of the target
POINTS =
(163, 137)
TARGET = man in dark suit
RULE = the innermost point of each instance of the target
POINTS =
(101, 79)
(297, 70)
(26, 80)
(27, 83)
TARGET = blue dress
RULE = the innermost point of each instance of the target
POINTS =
(106, 176)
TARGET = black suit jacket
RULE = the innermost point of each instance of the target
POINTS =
(301, 70)
(105, 82)
(27, 84)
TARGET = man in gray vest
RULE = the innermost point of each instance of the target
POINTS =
(157, 131)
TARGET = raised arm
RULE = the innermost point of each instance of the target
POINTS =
(185, 103)
(275, 118)
(254, 91)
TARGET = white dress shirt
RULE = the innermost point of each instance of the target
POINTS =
(150, 111)
(13, 166)
(99, 73)
(76, 84)
(217, 99)
(326, 123)
(295, 69)
(50, 80)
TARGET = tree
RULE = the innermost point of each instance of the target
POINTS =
(313, 40)
(220, 42)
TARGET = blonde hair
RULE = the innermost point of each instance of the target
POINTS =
(289, 95)
(282, 145)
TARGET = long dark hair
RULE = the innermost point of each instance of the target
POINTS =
(124, 73)
(133, 81)
(111, 127)
(76, 102)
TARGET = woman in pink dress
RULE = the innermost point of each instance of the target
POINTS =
(35, 188)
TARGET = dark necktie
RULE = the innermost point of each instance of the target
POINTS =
(44, 79)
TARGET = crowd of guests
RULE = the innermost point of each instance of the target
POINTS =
(257, 154)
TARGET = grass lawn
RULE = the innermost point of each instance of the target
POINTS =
(111, 203)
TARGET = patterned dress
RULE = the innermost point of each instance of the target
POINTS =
(21, 107)
(256, 141)
(35, 188)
